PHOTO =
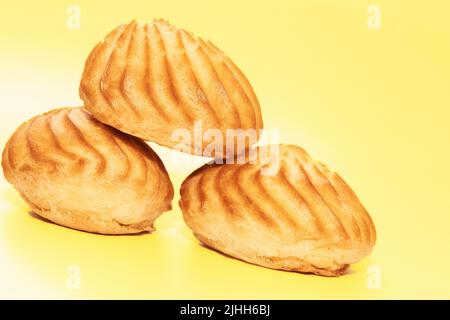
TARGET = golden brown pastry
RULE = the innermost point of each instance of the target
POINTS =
(302, 218)
(152, 79)
(77, 172)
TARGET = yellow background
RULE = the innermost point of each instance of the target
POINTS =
(372, 104)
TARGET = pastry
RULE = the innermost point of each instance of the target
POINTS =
(77, 172)
(301, 217)
(161, 83)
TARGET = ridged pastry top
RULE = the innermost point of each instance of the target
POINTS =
(151, 79)
(80, 173)
(71, 140)
(304, 211)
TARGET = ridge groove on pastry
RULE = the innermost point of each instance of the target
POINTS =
(229, 80)
(168, 77)
(56, 143)
(77, 172)
(338, 227)
(241, 80)
(228, 85)
(186, 85)
(174, 89)
(339, 210)
(199, 88)
(114, 72)
(216, 92)
(287, 218)
(149, 80)
(149, 89)
(101, 160)
(312, 218)
(101, 53)
(122, 82)
(302, 218)
(264, 216)
(364, 221)
(103, 74)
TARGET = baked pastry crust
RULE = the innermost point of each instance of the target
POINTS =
(303, 218)
(77, 172)
(149, 80)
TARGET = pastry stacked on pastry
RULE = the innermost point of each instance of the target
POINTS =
(153, 80)
(88, 169)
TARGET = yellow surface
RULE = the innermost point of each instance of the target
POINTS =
(373, 104)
